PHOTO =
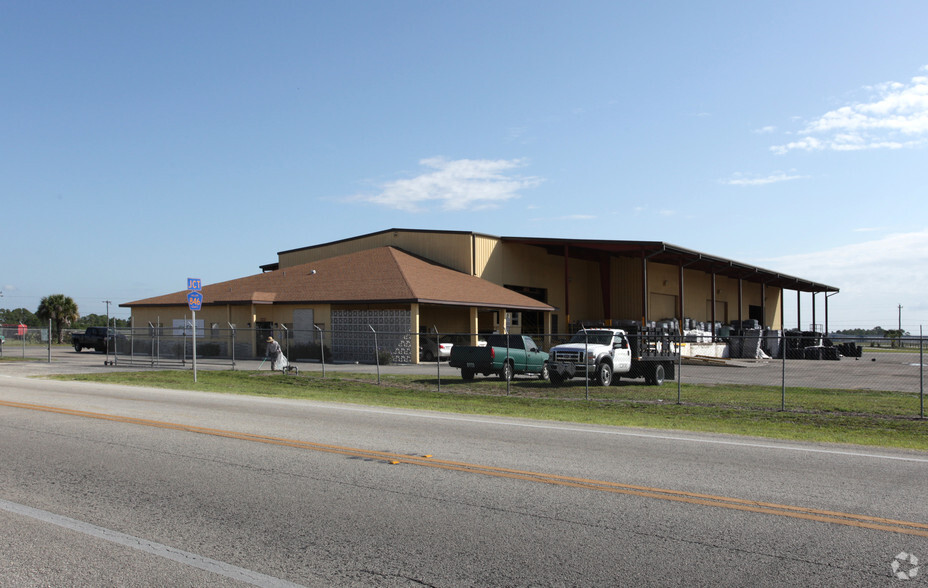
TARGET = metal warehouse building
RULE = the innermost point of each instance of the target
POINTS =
(465, 282)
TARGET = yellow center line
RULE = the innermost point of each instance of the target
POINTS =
(811, 514)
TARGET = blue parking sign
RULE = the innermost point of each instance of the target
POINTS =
(194, 301)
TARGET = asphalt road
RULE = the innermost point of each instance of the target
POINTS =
(112, 485)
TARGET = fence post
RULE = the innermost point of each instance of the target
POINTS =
(679, 367)
(321, 348)
(921, 372)
(115, 348)
(437, 359)
(286, 339)
(49, 340)
(586, 353)
(512, 374)
(783, 352)
(232, 328)
(376, 353)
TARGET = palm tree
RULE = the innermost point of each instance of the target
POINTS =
(60, 309)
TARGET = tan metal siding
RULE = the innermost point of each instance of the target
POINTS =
(449, 249)
(488, 258)
(626, 288)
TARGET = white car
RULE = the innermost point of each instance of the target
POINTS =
(430, 349)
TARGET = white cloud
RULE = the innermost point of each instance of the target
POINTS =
(894, 117)
(765, 130)
(873, 276)
(462, 184)
(774, 178)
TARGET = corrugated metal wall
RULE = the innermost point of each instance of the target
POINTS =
(449, 249)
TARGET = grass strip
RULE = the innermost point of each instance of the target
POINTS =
(887, 419)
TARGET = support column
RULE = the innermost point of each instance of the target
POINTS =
(798, 310)
(547, 342)
(813, 311)
(605, 284)
(254, 332)
(740, 301)
(473, 324)
(644, 290)
(566, 287)
(763, 303)
(782, 309)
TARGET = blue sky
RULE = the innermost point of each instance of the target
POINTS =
(142, 143)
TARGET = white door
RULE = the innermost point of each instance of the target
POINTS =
(622, 355)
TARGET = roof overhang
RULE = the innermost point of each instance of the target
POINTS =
(660, 252)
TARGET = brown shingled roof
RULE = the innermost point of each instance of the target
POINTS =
(380, 275)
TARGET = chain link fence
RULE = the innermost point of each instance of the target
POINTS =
(25, 342)
(757, 367)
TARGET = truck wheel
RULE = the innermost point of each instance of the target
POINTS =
(658, 378)
(544, 371)
(604, 374)
(505, 374)
(467, 374)
(77, 347)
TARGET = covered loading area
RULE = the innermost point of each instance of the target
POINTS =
(653, 280)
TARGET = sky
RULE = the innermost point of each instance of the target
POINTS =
(142, 143)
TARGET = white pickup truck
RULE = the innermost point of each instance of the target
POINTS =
(604, 355)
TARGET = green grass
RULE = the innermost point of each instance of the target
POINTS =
(892, 349)
(888, 419)
(7, 356)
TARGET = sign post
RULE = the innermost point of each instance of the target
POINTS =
(195, 302)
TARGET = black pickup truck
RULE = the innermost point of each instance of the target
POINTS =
(93, 338)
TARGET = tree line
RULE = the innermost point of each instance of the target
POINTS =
(874, 332)
(62, 311)
(895, 336)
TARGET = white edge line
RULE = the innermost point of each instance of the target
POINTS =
(158, 549)
(663, 437)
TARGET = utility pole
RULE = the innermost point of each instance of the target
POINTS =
(900, 320)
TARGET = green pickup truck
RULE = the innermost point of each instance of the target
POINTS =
(504, 355)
